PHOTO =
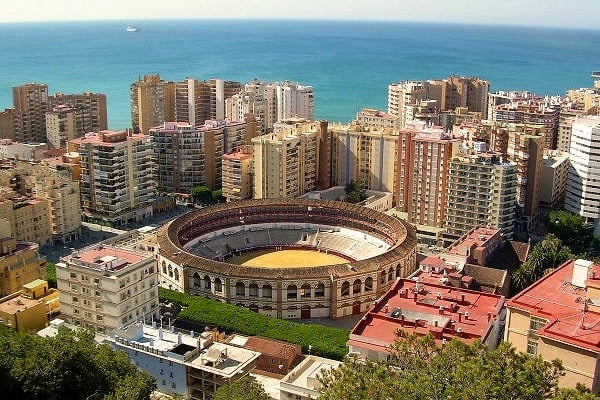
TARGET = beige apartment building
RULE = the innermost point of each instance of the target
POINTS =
(117, 176)
(237, 183)
(481, 192)
(437, 95)
(152, 101)
(90, 106)
(103, 287)
(59, 192)
(286, 161)
(20, 262)
(63, 123)
(532, 112)
(363, 154)
(28, 217)
(556, 318)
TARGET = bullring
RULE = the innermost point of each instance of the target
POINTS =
(195, 250)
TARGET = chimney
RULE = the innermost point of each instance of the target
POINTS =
(452, 307)
(466, 315)
(459, 316)
(401, 319)
(415, 296)
(489, 315)
(462, 298)
(441, 310)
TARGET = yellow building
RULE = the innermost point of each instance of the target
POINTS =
(557, 317)
(20, 263)
(29, 308)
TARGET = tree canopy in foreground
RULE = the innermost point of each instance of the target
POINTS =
(68, 366)
(418, 368)
(242, 389)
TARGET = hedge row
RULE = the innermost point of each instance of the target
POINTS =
(325, 341)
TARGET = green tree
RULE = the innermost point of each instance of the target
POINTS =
(579, 393)
(545, 256)
(418, 368)
(217, 196)
(245, 388)
(51, 274)
(355, 192)
(571, 229)
(68, 366)
(202, 195)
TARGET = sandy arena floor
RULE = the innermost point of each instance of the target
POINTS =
(286, 258)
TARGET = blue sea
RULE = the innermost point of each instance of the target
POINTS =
(349, 64)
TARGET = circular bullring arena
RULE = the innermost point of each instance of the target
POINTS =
(288, 258)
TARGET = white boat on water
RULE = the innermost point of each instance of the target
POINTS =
(131, 28)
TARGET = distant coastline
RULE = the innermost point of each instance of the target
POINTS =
(349, 63)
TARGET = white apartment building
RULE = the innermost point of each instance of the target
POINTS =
(186, 365)
(105, 287)
(583, 190)
(271, 102)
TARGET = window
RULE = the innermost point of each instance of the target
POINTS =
(292, 292)
(196, 279)
(536, 323)
(206, 282)
(320, 290)
(267, 292)
(240, 289)
(356, 286)
(345, 288)
(368, 284)
(253, 290)
(532, 347)
(218, 285)
(305, 291)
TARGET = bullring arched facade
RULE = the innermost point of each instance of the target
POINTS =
(286, 292)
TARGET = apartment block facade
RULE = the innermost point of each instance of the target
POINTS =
(105, 287)
(90, 106)
(238, 167)
(582, 192)
(481, 191)
(271, 102)
(406, 98)
(286, 162)
(117, 176)
(30, 103)
(423, 158)
(363, 154)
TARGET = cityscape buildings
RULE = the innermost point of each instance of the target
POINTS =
(30, 308)
(20, 262)
(271, 102)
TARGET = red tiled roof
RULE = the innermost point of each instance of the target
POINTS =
(447, 307)
(555, 298)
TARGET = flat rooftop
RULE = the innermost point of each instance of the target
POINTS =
(105, 257)
(18, 304)
(305, 376)
(422, 308)
(220, 358)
